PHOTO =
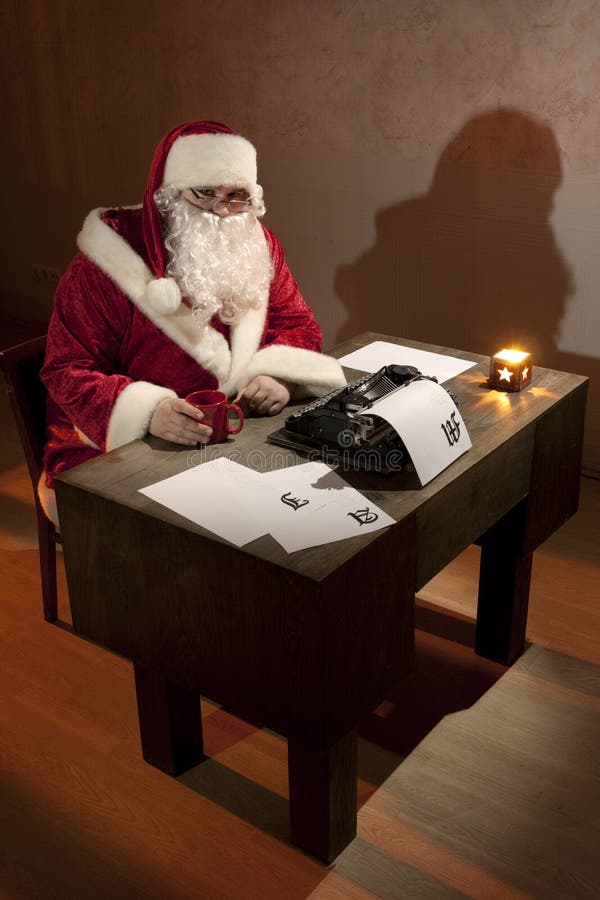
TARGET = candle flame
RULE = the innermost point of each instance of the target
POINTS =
(511, 356)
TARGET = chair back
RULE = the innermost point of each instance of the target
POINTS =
(21, 368)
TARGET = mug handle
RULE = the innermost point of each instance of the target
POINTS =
(240, 416)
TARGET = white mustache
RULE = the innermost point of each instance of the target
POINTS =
(239, 222)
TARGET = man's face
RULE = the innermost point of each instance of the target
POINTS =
(224, 200)
(217, 251)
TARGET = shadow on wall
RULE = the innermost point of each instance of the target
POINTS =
(472, 264)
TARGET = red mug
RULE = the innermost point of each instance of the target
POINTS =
(215, 407)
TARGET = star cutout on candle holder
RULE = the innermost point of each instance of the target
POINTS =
(510, 370)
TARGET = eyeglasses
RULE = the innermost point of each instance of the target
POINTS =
(234, 205)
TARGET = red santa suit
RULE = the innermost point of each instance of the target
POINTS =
(120, 340)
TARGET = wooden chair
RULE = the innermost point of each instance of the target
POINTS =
(21, 368)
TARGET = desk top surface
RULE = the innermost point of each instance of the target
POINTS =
(494, 419)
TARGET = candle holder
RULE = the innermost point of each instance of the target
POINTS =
(510, 370)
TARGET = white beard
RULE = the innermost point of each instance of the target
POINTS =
(222, 265)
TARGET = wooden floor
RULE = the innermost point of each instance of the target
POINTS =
(474, 780)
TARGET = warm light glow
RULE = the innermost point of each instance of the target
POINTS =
(511, 356)
(505, 374)
(501, 399)
(510, 370)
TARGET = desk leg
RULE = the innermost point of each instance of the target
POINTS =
(323, 796)
(170, 722)
(504, 578)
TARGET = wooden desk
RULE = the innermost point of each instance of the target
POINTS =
(308, 643)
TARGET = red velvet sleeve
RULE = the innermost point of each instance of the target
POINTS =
(290, 320)
(81, 369)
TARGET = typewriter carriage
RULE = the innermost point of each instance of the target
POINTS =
(340, 428)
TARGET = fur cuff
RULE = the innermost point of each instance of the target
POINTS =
(314, 373)
(132, 412)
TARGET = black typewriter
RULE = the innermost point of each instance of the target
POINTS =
(339, 428)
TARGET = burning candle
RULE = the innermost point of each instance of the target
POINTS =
(510, 370)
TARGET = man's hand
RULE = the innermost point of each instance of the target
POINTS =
(264, 395)
(179, 422)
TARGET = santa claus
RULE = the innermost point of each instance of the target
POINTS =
(185, 292)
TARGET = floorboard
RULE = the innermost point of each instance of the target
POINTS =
(474, 780)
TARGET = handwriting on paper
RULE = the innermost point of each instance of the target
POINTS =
(294, 502)
(364, 516)
(452, 429)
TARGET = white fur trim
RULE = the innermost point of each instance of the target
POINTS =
(116, 258)
(209, 160)
(132, 411)
(233, 368)
(245, 338)
(47, 499)
(317, 373)
(163, 295)
(114, 255)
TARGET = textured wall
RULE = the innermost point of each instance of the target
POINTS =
(432, 168)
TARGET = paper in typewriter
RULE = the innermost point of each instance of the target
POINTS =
(425, 416)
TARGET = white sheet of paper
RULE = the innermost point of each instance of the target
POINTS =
(344, 517)
(293, 493)
(373, 356)
(213, 495)
(297, 524)
(301, 506)
(429, 423)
